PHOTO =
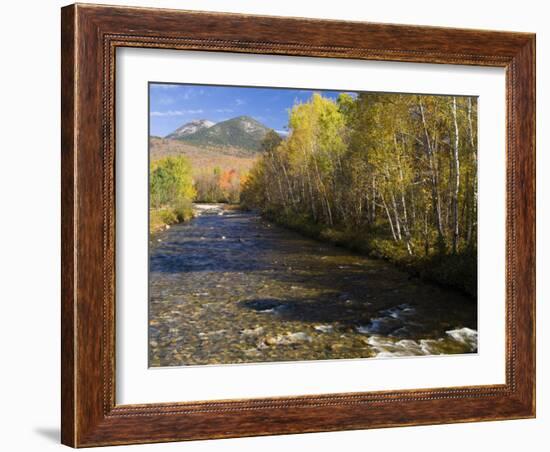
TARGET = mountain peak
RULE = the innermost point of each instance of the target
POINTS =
(190, 128)
(244, 118)
(242, 132)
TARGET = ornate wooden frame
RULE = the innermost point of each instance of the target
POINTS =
(90, 35)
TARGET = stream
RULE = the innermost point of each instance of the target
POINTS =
(230, 287)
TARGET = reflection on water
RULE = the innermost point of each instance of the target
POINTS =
(229, 287)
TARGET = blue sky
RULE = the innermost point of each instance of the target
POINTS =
(172, 105)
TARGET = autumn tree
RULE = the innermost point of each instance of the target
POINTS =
(391, 167)
(171, 181)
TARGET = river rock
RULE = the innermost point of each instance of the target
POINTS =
(298, 337)
(252, 331)
(380, 325)
(271, 340)
(336, 347)
(466, 336)
(287, 339)
(324, 328)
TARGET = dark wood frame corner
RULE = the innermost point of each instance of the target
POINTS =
(90, 36)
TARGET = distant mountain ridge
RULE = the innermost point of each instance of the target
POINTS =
(190, 128)
(241, 132)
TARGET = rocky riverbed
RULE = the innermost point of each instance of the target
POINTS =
(229, 287)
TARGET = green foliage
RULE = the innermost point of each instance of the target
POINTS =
(183, 210)
(270, 142)
(171, 181)
(171, 192)
(160, 218)
(391, 175)
(455, 270)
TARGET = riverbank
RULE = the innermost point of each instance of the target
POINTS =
(457, 271)
(164, 218)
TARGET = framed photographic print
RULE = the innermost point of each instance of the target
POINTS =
(281, 225)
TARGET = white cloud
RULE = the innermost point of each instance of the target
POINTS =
(164, 86)
(282, 132)
(239, 101)
(224, 110)
(176, 112)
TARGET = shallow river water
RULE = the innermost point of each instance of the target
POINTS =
(229, 287)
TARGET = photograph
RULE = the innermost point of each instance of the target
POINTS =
(280, 222)
(292, 224)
